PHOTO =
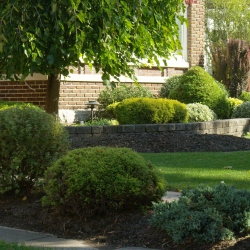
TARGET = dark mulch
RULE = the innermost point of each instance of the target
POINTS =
(166, 142)
(129, 228)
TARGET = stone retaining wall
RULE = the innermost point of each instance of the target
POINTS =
(235, 127)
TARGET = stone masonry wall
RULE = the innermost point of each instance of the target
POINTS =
(235, 127)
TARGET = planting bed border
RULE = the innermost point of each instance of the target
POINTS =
(235, 127)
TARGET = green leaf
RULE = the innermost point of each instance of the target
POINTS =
(38, 61)
(50, 59)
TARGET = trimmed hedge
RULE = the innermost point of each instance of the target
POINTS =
(99, 180)
(30, 140)
(196, 85)
(150, 111)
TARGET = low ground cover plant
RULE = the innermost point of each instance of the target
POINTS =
(149, 111)
(30, 140)
(99, 122)
(198, 112)
(196, 85)
(205, 214)
(99, 180)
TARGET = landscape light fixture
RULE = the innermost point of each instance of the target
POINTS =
(92, 105)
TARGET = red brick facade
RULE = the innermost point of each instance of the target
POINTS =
(31, 91)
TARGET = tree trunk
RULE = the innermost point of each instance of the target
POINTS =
(52, 94)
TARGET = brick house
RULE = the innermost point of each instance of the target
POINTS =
(84, 85)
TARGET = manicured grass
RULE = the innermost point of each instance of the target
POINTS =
(188, 170)
(14, 246)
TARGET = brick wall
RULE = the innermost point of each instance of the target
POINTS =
(74, 95)
(32, 91)
(196, 32)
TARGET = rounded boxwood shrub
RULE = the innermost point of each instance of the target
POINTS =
(222, 87)
(198, 112)
(168, 85)
(196, 85)
(205, 214)
(150, 111)
(30, 140)
(99, 179)
(245, 97)
(242, 111)
(111, 95)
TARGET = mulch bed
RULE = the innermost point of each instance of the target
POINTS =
(129, 228)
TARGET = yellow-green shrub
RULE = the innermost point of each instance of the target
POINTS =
(233, 103)
(196, 85)
(100, 179)
(150, 111)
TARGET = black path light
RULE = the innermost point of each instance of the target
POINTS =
(92, 104)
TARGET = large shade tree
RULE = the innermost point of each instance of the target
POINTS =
(48, 36)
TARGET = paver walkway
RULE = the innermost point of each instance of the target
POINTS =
(48, 240)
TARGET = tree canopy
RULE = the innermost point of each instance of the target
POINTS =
(227, 18)
(46, 36)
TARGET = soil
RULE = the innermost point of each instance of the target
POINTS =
(127, 228)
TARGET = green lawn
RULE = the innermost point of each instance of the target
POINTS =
(14, 246)
(188, 170)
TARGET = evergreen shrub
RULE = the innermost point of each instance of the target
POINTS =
(150, 111)
(205, 214)
(168, 85)
(8, 104)
(245, 97)
(111, 95)
(30, 140)
(99, 179)
(196, 85)
(242, 111)
(198, 112)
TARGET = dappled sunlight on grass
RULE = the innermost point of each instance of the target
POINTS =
(188, 170)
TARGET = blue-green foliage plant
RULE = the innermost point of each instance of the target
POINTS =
(30, 140)
(205, 214)
(242, 110)
(150, 111)
(101, 179)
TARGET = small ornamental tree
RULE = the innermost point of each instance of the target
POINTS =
(231, 65)
(48, 36)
